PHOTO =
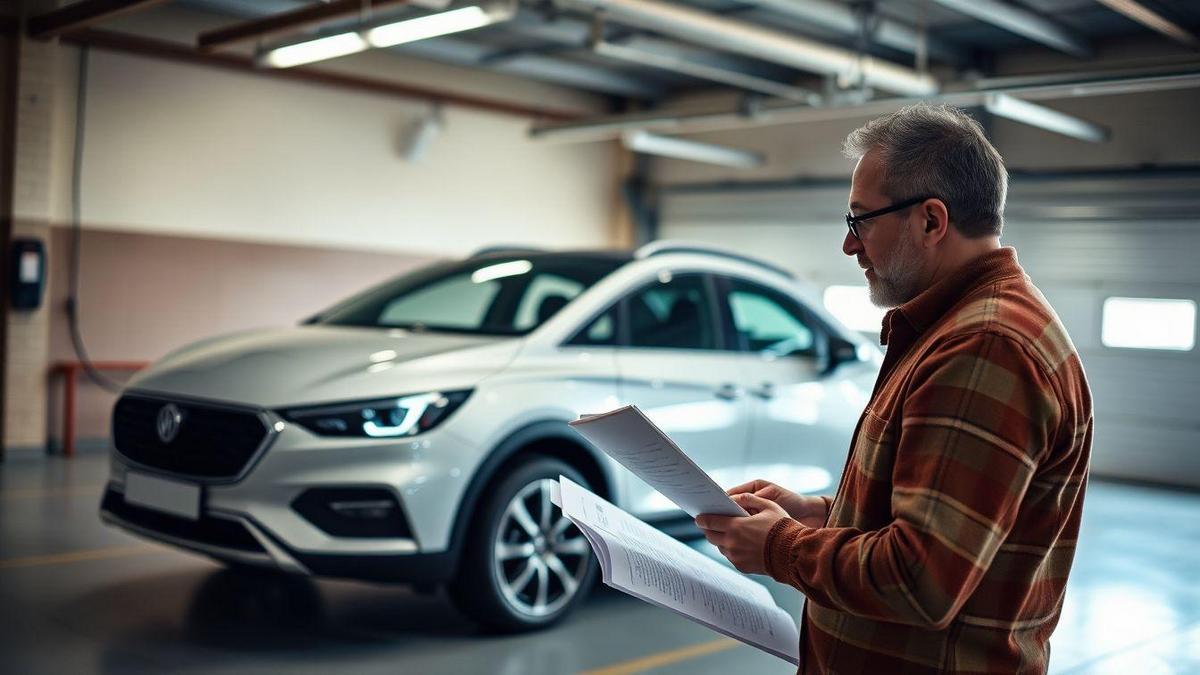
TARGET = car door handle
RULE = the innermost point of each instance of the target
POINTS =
(728, 392)
(765, 391)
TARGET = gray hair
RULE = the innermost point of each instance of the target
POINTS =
(940, 151)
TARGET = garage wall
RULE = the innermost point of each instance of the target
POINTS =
(214, 201)
(182, 149)
(143, 294)
(1081, 239)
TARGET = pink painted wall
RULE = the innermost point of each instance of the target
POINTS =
(142, 295)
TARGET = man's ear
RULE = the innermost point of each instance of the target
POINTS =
(937, 220)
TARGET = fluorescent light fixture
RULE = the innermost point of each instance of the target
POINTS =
(398, 32)
(1149, 323)
(314, 50)
(442, 23)
(1152, 20)
(1018, 110)
(501, 270)
(695, 151)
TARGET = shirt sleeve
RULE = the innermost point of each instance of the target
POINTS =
(979, 416)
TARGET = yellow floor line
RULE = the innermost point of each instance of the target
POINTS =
(79, 556)
(35, 493)
(665, 658)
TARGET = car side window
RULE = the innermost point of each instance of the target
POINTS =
(601, 332)
(767, 321)
(673, 313)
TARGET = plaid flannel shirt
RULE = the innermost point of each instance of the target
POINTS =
(949, 541)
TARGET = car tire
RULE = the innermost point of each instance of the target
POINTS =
(524, 566)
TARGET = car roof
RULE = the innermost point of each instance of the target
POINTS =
(655, 249)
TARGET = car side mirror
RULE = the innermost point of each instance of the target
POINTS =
(838, 351)
(311, 320)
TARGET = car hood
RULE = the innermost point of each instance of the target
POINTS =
(313, 364)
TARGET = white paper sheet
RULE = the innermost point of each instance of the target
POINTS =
(628, 436)
(637, 559)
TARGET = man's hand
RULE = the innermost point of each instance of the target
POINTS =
(810, 511)
(742, 539)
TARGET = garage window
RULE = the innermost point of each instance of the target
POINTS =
(1149, 323)
(852, 306)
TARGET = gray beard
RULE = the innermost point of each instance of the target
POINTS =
(899, 281)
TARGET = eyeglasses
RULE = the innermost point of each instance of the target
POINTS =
(852, 220)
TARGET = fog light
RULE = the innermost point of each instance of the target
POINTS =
(358, 512)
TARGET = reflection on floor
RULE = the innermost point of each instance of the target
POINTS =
(78, 597)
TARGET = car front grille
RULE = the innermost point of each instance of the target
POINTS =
(213, 442)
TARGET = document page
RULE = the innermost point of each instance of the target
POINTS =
(637, 559)
(629, 437)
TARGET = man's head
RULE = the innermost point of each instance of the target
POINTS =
(936, 152)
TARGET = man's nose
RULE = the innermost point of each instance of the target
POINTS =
(851, 245)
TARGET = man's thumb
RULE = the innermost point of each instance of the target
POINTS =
(752, 502)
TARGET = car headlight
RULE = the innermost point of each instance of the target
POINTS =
(396, 417)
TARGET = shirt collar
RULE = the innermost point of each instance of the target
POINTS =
(932, 303)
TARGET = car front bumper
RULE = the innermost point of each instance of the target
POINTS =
(256, 520)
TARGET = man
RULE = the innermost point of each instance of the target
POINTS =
(947, 546)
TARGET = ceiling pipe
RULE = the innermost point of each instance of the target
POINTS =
(1022, 22)
(763, 43)
(609, 127)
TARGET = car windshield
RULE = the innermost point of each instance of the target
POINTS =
(489, 296)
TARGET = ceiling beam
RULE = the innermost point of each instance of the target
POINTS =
(569, 32)
(170, 51)
(678, 63)
(842, 18)
(612, 126)
(1022, 22)
(563, 72)
(81, 15)
(287, 23)
(748, 39)
(1152, 20)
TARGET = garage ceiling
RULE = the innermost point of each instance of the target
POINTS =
(552, 41)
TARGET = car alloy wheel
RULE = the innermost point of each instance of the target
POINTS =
(524, 565)
(540, 557)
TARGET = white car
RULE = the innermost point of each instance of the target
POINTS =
(410, 433)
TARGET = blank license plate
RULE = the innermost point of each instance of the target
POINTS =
(161, 494)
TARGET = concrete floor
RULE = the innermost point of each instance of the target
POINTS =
(77, 597)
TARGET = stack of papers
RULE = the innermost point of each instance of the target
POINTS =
(637, 559)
